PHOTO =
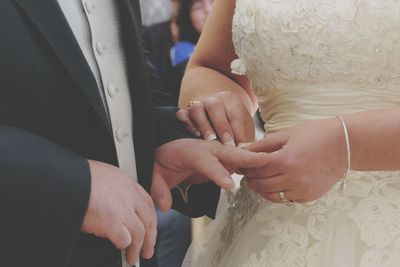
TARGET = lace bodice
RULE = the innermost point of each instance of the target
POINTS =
(312, 59)
(319, 49)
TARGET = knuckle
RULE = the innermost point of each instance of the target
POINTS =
(120, 241)
(195, 110)
(115, 220)
(226, 94)
(152, 225)
(149, 223)
(139, 235)
(213, 102)
(119, 244)
(234, 115)
(197, 106)
(222, 129)
(112, 216)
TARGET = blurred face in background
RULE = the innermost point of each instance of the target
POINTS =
(175, 6)
(199, 13)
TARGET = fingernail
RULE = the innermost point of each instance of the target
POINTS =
(229, 181)
(132, 261)
(228, 140)
(197, 133)
(211, 137)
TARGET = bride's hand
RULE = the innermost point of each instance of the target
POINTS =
(305, 161)
(222, 116)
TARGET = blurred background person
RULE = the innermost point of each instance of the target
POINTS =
(155, 11)
(174, 228)
(189, 23)
(156, 17)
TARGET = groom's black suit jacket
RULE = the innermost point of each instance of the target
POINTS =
(51, 120)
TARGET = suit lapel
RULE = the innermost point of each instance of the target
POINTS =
(48, 18)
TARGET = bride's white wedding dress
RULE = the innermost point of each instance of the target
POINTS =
(314, 59)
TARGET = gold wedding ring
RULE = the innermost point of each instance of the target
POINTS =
(191, 103)
(284, 199)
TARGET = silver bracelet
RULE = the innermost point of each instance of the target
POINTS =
(348, 152)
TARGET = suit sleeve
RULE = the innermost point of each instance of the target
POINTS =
(44, 193)
(202, 199)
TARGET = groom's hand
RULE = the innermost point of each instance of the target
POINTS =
(121, 211)
(178, 160)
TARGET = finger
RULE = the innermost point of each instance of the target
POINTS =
(236, 158)
(217, 114)
(242, 132)
(269, 184)
(211, 168)
(137, 231)
(160, 192)
(145, 198)
(272, 168)
(241, 122)
(266, 171)
(119, 235)
(183, 116)
(147, 214)
(249, 124)
(270, 143)
(197, 179)
(198, 115)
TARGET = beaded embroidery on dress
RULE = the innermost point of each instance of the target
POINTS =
(314, 59)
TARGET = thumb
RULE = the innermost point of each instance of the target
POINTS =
(270, 143)
(161, 193)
